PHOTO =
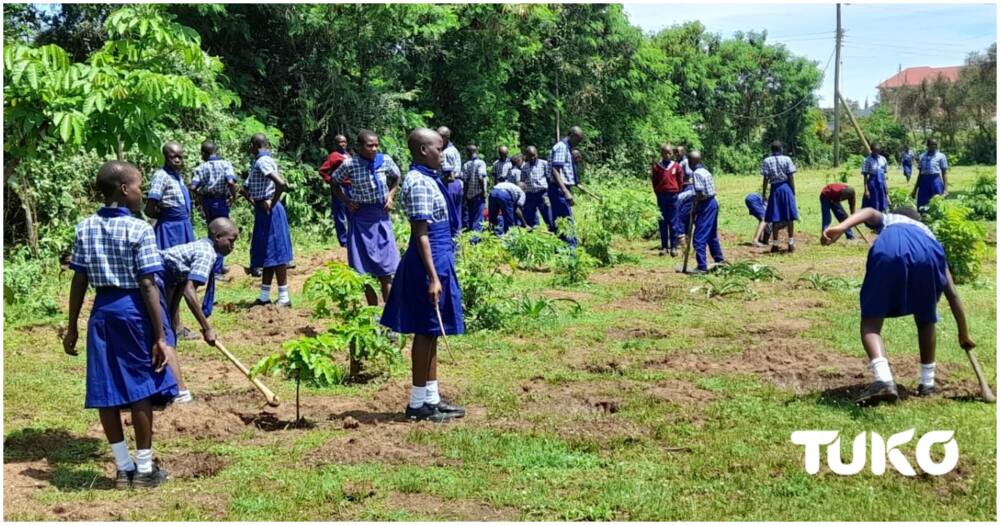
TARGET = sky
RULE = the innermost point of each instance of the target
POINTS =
(878, 38)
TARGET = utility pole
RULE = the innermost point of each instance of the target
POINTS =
(836, 96)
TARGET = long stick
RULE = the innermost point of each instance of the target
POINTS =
(447, 346)
(858, 230)
(268, 395)
(690, 232)
(854, 123)
(984, 387)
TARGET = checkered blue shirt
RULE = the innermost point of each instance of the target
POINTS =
(871, 166)
(474, 175)
(536, 175)
(561, 157)
(777, 168)
(514, 175)
(892, 219)
(115, 249)
(212, 177)
(365, 188)
(933, 164)
(167, 189)
(501, 170)
(703, 182)
(259, 183)
(452, 160)
(514, 190)
(422, 199)
(193, 260)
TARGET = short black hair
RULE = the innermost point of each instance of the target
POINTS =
(208, 148)
(777, 146)
(907, 211)
(364, 135)
(471, 149)
(112, 175)
(259, 140)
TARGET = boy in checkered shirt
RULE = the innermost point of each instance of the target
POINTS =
(128, 335)
(214, 182)
(474, 175)
(271, 240)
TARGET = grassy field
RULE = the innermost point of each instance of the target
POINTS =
(654, 404)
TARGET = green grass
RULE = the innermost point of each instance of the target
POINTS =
(536, 448)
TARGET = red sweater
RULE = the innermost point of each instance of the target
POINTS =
(331, 164)
(832, 192)
(669, 179)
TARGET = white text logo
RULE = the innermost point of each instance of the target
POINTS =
(882, 451)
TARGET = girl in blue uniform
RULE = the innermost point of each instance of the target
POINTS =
(906, 274)
(128, 335)
(932, 177)
(873, 171)
(271, 240)
(426, 282)
(169, 201)
(778, 170)
(757, 210)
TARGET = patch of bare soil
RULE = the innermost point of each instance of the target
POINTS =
(427, 505)
(194, 465)
(378, 444)
(680, 392)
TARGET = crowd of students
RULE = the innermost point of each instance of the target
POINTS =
(142, 272)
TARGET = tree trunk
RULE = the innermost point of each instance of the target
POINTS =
(355, 369)
(120, 150)
(298, 381)
(27, 203)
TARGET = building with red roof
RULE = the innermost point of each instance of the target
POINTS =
(914, 76)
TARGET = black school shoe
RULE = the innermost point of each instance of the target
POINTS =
(876, 393)
(123, 479)
(925, 390)
(449, 409)
(426, 413)
(152, 479)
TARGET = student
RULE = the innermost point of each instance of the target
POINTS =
(933, 175)
(371, 243)
(337, 209)
(128, 335)
(169, 201)
(271, 240)
(681, 156)
(562, 178)
(514, 175)
(829, 201)
(188, 266)
(906, 274)
(667, 177)
(706, 215)
(906, 161)
(502, 166)
(214, 182)
(451, 167)
(757, 209)
(455, 193)
(873, 175)
(535, 172)
(474, 177)
(778, 170)
(506, 198)
(426, 284)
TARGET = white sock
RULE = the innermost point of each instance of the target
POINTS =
(265, 292)
(880, 368)
(144, 460)
(122, 460)
(418, 396)
(927, 374)
(791, 242)
(433, 397)
(283, 294)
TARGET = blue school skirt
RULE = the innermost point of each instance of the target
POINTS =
(215, 207)
(371, 243)
(904, 275)
(173, 227)
(408, 310)
(271, 241)
(781, 205)
(927, 187)
(755, 205)
(878, 194)
(120, 351)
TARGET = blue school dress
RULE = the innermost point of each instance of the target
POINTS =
(905, 273)
(271, 240)
(778, 170)
(408, 309)
(115, 249)
(371, 243)
(929, 182)
(173, 226)
(878, 193)
(755, 205)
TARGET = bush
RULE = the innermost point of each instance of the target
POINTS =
(484, 283)
(573, 267)
(901, 197)
(30, 289)
(735, 160)
(532, 249)
(961, 237)
(982, 200)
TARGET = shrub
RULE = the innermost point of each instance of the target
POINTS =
(721, 287)
(982, 200)
(749, 270)
(961, 237)
(531, 249)
(825, 283)
(573, 266)
(484, 284)
(30, 288)
(901, 197)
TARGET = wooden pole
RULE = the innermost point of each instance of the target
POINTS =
(857, 128)
(836, 96)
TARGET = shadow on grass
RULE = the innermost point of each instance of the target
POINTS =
(63, 452)
(842, 397)
(364, 417)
